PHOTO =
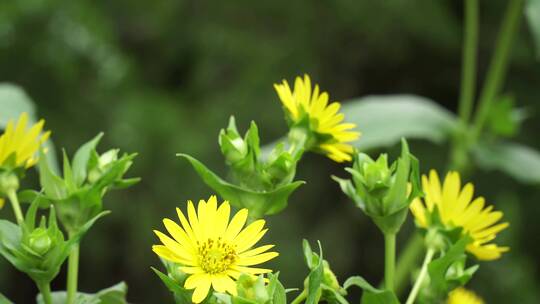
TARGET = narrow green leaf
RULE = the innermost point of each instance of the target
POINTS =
(438, 268)
(315, 280)
(371, 294)
(181, 294)
(52, 184)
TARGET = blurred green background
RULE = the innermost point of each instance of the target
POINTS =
(161, 77)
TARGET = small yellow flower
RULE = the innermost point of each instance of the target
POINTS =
(22, 142)
(457, 208)
(211, 250)
(463, 296)
(334, 136)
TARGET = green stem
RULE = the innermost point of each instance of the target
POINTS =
(301, 297)
(45, 290)
(470, 50)
(421, 276)
(408, 259)
(12, 195)
(498, 65)
(73, 271)
(389, 260)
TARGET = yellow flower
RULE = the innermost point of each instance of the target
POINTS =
(21, 142)
(2, 202)
(211, 250)
(333, 135)
(463, 296)
(457, 208)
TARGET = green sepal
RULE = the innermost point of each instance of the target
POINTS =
(113, 295)
(259, 203)
(371, 295)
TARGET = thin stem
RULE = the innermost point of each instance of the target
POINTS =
(45, 290)
(389, 260)
(421, 277)
(409, 258)
(12, 195)
(470, 50)
(73, 271)
(499, 64)
(301, 297)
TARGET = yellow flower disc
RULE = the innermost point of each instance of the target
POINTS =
(324, 117)
(21, 141)
(463, 296)
(212, 250)
(457, 208)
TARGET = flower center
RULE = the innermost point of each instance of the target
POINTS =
(215, 256)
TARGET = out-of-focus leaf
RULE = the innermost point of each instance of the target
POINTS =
(384, 120)
(532, 11)
(519, 161)
(371, 294)
(13, 102)
(504, 119)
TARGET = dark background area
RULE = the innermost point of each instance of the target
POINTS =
(161, 77)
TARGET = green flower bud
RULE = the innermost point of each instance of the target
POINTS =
(39, 241)
(9, 182)
(104, 161)
(232, 146)
(329, 278)
(252, 288)
(434, 240)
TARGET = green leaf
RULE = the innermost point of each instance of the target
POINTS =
(438, 268)
(532, 11)
(384, 120)
(52, 184)
(182, 295)
(315, 279)
(276, 289)
(81, 158)
(13, 102)
(112, 295)
(518, 161)
(259, 203)
(4, 300)
(503, 118)
(371, 294)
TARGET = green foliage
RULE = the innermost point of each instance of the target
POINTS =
(181, 295)
(447, 272)
(38, 251)
(4, 300)
(371, 294)
(503, 119)
(113, 295)
(78, 195)
(13, 102)
(259, 203)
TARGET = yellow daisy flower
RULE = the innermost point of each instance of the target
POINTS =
(333, 135)
(457, 208)
(463, 296)
(211, 250)
(21, 141)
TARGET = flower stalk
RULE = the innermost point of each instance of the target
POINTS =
(12, 195)
(45, 290)
(423, 272)
(389, 260)
(72, 276)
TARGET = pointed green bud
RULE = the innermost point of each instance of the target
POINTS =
(252, 288)
(9, 182)
(232, 145)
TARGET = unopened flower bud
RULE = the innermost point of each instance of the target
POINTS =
(40, 241)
